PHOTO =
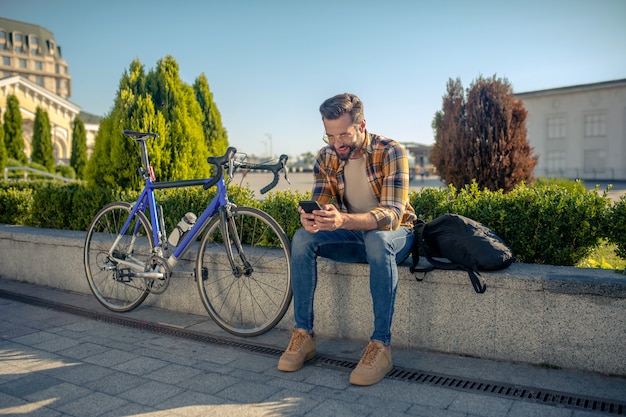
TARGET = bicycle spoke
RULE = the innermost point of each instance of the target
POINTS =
(106, 257)
(255, 296)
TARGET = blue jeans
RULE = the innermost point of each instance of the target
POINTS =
(383, 250)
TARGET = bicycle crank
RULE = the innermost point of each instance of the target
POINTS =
(159, 267)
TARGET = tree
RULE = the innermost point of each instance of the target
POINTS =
(214, 133)
(482, 137)
(308, 158)
(115, 158)
(99, 171)
(13, 140)
(185, 148)
(78, 158)
(158, 102)
(42, 141)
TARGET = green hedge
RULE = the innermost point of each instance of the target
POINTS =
(547, 223)
(616, 226)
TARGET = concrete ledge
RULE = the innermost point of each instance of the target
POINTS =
(538, 314)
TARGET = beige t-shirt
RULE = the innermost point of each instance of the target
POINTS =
(358, 195)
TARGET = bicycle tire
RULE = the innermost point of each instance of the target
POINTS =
(246, 304)
(112, 284)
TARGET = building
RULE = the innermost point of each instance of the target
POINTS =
(419, 158)
(33, 69)
(61, 114)
(31, 52)
(579, 131)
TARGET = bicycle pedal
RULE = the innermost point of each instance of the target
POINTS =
(124, 274)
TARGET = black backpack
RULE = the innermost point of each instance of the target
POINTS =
(468, 245)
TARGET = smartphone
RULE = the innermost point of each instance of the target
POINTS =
(309, 205)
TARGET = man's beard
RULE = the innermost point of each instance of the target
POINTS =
(347, 155)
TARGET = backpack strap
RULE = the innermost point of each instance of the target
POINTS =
(479, 287)
(418, 241)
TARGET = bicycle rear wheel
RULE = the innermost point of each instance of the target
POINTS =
(113, 283)
(246, 299)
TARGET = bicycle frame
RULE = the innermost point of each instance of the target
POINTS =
(219, 204)
(147, 201)
(242, 268)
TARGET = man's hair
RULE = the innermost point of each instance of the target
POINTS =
(336, 106)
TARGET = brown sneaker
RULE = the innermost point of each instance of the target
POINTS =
(373, 366)
(301, 349)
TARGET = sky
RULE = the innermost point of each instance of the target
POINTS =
(271, 63)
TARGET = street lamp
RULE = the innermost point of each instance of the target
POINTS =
(269, 139)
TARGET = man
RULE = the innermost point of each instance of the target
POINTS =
(362, 186)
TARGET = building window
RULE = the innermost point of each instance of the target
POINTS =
(23, 63)
(594, 161)
(557, 129)
(39, 80)
(595, 125)
(555, 162)
(3, 36)
(18, 43)
(6, 61)
(39, 65)
(34, 45)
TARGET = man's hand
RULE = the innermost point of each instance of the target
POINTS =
(328, 218)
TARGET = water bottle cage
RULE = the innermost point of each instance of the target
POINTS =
(181, 234)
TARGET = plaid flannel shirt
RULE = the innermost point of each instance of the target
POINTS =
(388, 173)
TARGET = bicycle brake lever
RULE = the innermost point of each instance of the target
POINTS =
(231, 168)
(283, 163)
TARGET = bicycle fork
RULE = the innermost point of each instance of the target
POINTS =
(229, 231)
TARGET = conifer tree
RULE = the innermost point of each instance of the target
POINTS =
(214, 132)
(158, 102)
(482, 137)
(115, 157)
(13, 140)
(185, 145)
(78, 158)
(99, 171)
(124, 152)
(42, 141)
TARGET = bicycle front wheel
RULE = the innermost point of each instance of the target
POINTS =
(112, 258)
(251, 295)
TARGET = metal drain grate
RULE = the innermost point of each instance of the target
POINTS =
(533, 394)
(524, 393)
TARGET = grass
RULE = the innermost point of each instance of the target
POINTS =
(603, 257)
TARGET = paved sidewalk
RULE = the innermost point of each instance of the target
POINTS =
(55, 363)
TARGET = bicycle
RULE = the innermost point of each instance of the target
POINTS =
(242, 267)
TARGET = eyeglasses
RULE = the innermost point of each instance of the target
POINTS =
(344, 137)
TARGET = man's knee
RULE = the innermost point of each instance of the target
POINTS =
(301, 241)
(378, 241)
